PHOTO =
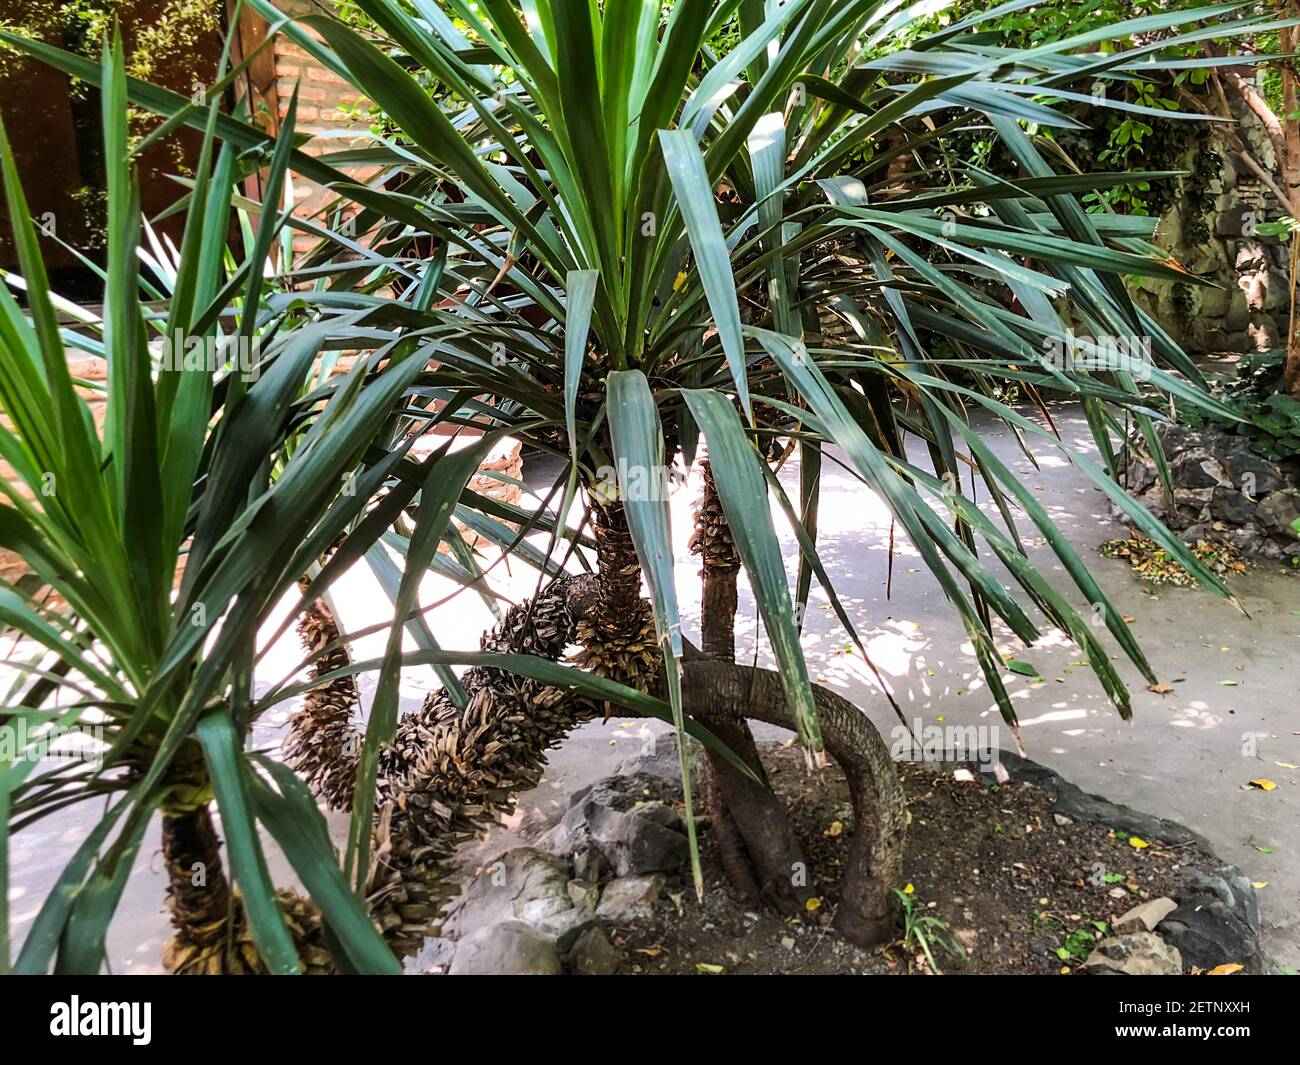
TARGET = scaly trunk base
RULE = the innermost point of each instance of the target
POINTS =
(323, 744)
(211, 933)
(617, 632)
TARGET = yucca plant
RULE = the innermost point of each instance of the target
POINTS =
(157, 545)
(639, 237)
(622, 304)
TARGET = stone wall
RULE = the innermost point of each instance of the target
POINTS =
(1248, 311)
(1223, 492)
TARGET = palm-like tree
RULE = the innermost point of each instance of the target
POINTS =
(157, 546)
(639, 237)
(654, 239)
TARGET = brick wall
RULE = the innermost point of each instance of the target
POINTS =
(324, 100)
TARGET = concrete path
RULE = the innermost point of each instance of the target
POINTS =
(1233, 714)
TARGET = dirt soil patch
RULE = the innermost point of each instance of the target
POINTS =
(1017, 891)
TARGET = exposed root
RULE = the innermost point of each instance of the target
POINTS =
(874, 866)
(756, 842)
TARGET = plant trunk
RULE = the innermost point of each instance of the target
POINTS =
(719, 568)
(759, 851)
(618, 639)
(865, 914)
(198, 894)
(450, 773)
(212, 937)
(1290, 166)
(322, 745)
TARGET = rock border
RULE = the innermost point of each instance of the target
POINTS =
(1216, 916)
(1222, 491)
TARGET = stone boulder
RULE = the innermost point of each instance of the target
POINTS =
(507, 949)
(1135, 954)
(1222, 491)
(630, 898)
(525, 886)
(1145, 917)
(1207, 933)
(620, 817)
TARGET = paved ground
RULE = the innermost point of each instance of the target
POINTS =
(1186, 755)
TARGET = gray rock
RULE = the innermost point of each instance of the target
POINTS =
(633, 835)
(1197, 469)
(657, 759)
(588, 863)
(595, 955)
(1145, 917)
(1214, 301)
(1227, 504)
(523, 884)
(1249, 540)
(630, 898)
(1140, 476)
(584, 894)
(1208, 933)
(1238, 316)
(1195, 499)
(1277, 511)
(1248, 470)
(1136, 954)
(527, 887)
(1176, 437)
(1073, 802)
(508, 949)
(565, 928)
(433, 958)
(1230, 886)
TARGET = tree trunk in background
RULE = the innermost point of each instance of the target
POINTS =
(758, 848)
(322, 744)
(1290, 166)
(720, 566)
